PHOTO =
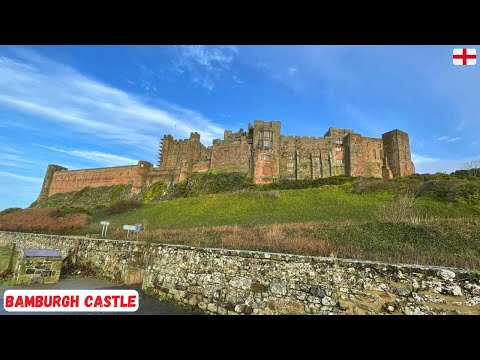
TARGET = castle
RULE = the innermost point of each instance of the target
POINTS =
(261, 151)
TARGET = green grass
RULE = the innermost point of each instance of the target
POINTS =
(5, 253)
(328, 203)
(440, 242)
(86, 198)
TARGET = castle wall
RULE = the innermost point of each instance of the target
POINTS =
(74, 180)
(232, 154)
(305, 157)
(174, 154)
(364, 156)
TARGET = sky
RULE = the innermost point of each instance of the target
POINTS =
(96, 106)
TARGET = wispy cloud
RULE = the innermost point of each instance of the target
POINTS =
(102, 158)
(237, 80)
(285, 75)
(448, 138)
(419, 159)
(60, 94)
(205, 63)
(20, 177)
(11, 157)
(453, 139)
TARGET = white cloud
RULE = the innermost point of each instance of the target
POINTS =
(11, 157)
(237, 80)
(205, 63)
(418, 159)
(102, 158)
(453, 139)
(292, 71)
(448, 138)
(427, 164)
(61, 95)
(20, 177)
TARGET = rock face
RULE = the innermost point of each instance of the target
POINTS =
(219, 281)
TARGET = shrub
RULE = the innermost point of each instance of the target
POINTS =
(153, 192)
(122, 206)
(372, 185)
(400, 210)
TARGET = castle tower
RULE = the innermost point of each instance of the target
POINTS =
(397, 152)
(165, 151)
(266, 151)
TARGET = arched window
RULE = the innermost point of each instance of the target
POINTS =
(374, 153)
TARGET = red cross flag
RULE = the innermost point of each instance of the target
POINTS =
(464, 56)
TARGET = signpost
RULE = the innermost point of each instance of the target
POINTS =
(104, 227)
(136, 228)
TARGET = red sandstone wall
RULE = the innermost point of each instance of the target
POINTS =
(231, 155)
(201, 167)
(74, 180)
(364, 156)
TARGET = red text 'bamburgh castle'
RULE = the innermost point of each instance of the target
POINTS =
(261, 151)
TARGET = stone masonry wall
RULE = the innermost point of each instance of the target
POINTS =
(120, 261)
(245, 282)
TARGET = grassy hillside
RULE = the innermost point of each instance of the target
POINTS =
(424, 219)
(331, 220)
(330, 203)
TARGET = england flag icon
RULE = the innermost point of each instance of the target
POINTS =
(464, 56)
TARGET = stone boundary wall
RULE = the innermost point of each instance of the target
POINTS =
(119, 261)
(220, 281)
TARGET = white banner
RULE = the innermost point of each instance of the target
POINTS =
(71, 300)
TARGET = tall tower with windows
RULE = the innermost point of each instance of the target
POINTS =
(265, 151)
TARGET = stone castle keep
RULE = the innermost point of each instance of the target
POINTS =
(261, 152)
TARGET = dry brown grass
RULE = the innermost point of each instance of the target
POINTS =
(42, 220)
(334, 240)
(297, 238)
(400, 209)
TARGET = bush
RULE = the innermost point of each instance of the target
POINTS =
(154, 192)
(372, 185)
(72, 210)
(306, 183)
(400, 210)
(122, 206)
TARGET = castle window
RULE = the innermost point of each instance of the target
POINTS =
(266, 139)
(374, 153)
(339, 142)
(338, 149)
(266, 157)
(339, 161)
(290, 165)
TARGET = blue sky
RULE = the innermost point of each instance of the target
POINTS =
(95, 106)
